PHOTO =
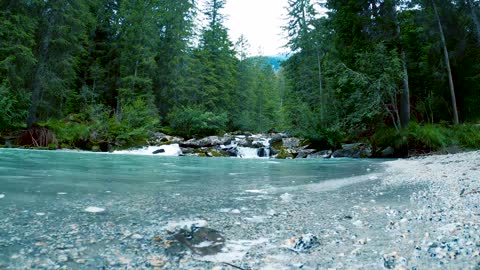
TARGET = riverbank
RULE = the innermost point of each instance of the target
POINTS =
(443, 230)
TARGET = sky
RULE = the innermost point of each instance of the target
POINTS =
(260, 21)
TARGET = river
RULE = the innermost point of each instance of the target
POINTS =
(80, 210)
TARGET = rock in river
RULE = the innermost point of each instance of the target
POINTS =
(201, 240)
(304, 243)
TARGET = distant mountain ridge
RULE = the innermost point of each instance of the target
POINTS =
(275, 61)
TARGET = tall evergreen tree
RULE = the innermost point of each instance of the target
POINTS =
(60, 34)
(217, 62)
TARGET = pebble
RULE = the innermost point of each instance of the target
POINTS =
(157, 260)
(358, 223)
(62, 258)
(303, 243)
(94, 209)
(137, 236)
(80, 261)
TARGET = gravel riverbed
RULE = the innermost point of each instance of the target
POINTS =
(420, 213)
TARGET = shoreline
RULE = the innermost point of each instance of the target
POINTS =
(446, 220)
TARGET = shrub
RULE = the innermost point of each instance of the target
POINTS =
(190, 121)
(322, 139)
(13, 108)
(467, 136)
(72, 134)
(432, 137)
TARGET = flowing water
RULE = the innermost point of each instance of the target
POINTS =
(85, 210)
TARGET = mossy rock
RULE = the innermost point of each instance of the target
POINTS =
(277, 144)
(220, 153)
(166, 143)
(96, 148)
(284, 154)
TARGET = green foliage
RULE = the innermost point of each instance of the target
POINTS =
(466, 135)
(13, 108)
(328, 138)
(71, 134)
(190, 121)
(430, 137)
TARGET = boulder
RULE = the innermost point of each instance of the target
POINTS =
(276, 138)
(159, 138)
(214, 141)
(321, 154)
(286, 153)
(207, 142)
(263, 152)
(304, 153)
(388, 152)
(354, 150)
(291, 142)
(274, 151)
(158, 151)
(201, 240)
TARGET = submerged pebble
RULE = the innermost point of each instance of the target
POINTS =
(94, 209)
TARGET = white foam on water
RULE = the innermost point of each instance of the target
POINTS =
(247, 152)
(169, 150)
(94, 209)
(40, 214)
(206, 244)
(256, 219)
(235, 211)
(330, 185)
(286, 197)
(62, 193)
(258, 191)
(2, 196)
(234, 250)
(184, 224)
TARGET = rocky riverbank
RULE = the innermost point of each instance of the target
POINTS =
(271, 145)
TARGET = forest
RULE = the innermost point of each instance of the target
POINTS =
(404, 74)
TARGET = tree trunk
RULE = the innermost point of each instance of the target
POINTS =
(474, 19)
(37, 87)
(320, 86)
(405, 96)
(447, 63)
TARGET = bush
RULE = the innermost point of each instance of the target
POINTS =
(190, 122)
(69, 133)
(467, 136)
(431, 137)
(388, 137)
(138, 119)
(321, 139)
(13, 108)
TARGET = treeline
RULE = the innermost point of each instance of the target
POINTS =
(369, 68)
(96, 71)
(106, 70)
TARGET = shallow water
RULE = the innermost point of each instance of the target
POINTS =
(47, 193)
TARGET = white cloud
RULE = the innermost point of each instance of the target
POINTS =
(260, 21)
